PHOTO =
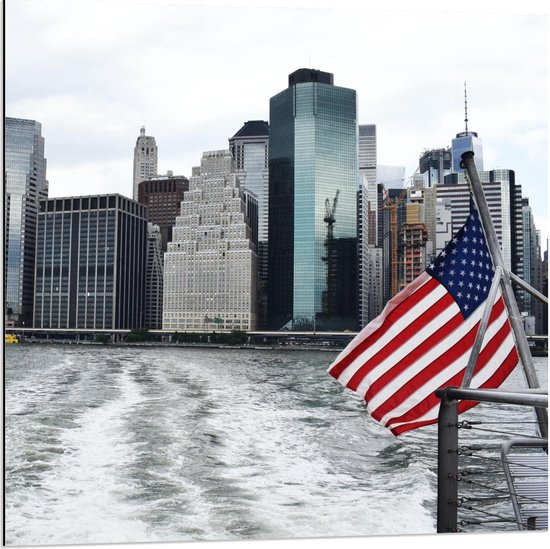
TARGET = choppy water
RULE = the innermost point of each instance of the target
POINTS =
(115, 444)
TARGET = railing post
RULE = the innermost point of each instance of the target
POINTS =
(447, 464)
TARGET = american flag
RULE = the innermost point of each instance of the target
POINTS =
(422, 339)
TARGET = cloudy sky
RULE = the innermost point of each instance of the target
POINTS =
(192, 73)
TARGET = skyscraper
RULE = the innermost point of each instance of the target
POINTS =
(434, 165)
(210, 266)
(90, 263)
(367, 215)
(25, 185)
(154, 269)
(249, 148)
(162, 195)
(466, 141)
(312, 205)
(505, 205)
(145, 160)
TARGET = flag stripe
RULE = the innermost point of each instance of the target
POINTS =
(431, 402)
(430, 376)
(498, 377)
(497, 348)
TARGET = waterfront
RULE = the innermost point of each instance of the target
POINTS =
(129, 444)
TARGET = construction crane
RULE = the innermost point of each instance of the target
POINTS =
(392, 206)
(329, 214)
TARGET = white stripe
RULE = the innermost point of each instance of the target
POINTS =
(433, 383)
(398, 327)
(402, 351)
(481, 377)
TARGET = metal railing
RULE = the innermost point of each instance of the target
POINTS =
(490, 499)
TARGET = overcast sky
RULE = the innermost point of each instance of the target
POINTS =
(94, 72)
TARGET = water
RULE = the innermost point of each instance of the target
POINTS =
(127, 444)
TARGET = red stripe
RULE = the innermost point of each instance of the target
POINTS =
(388, 322)
(435, 367)
(493, 382)
(410, 426)
(400, 339)
(484, 357)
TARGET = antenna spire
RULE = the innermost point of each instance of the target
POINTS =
(465, 107)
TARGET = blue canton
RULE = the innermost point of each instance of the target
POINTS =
(465, 266)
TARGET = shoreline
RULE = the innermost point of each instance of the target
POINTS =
(255, 347)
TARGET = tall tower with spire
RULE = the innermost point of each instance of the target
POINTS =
(466, 141)
(145, 160)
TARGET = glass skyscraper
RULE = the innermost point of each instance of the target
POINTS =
(313, 177)
(25, 184)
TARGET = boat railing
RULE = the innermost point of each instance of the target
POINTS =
(492, 473)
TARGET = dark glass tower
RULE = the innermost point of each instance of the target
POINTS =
(312, 282)
(90, 263)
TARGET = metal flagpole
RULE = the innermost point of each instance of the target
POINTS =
(507, 291)
(474, 353)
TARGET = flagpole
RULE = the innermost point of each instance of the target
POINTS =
(474, 353)
(507, 291)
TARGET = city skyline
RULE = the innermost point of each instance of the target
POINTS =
(193, 90)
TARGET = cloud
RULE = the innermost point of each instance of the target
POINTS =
(94, 72)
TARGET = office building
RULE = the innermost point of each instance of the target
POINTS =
(466, 141)
(210, 268)
(414, 234)
(434, 165)
(367, 226)
(145, 160)
(504, 200)
(162, 194)
(25, 185)
(249, 148)
(154, 269)
(90, 263)
(313, 178)
(532, 267)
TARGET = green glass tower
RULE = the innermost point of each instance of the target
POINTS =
(312, 283)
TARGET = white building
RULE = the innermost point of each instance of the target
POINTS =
(145, 160)
(367, 217)
(210, 265)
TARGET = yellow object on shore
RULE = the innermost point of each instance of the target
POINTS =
(10, 338)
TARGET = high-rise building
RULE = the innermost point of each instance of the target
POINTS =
(210, 269)
(145, 160)
(162, 195)
(313, 179)
(504, 200)
(25, 185)
(367, 216)
(434, 165)
(367, 150)
(532, 267)
(250, 149)
(414, 237)
(466, 141)
(154, 267)
(90, 263)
